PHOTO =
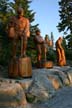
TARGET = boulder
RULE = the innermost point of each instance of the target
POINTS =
(11, 95)
(41, 88)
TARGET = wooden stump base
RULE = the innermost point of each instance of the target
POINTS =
(25, 67)
(48, 64)
(13, 68)
(20, 68)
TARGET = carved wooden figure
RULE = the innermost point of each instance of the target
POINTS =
(41, 46)
(18, 28)
(61, 60)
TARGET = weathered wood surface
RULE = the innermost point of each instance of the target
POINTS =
(13, 68)
(48, 64)
(20, 68)
(25, 67)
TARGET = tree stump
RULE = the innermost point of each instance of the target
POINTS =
(13, 68)
(25, 67)
(48, 64)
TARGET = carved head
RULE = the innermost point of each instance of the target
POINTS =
(60, 39)
(46, 37)
(37, 32)
(20, 11)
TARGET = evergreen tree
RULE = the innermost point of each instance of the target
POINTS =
(65, 23)
(64, 43)
(4, 5)
(65, 16)
(69, 41)
(52, 39)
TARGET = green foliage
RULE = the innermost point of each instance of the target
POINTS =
(69, 39)
(30, 98)
(31, 50)
(64, 43)
(68, 53)
(51, 55)
(52, 39)
(3, 37)
(65, 16)
(65, 24)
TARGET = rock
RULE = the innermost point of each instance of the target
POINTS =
(41, 89)
(25, 83)
(46, 82)
(62, 99)
(69, 75)
(38, 90)
(60, 75)
(55, 81)
(11, 95)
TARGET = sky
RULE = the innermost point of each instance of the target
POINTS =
(47, 16)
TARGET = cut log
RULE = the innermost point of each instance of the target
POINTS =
(13, 68)
(48, 64)
(25, 67)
